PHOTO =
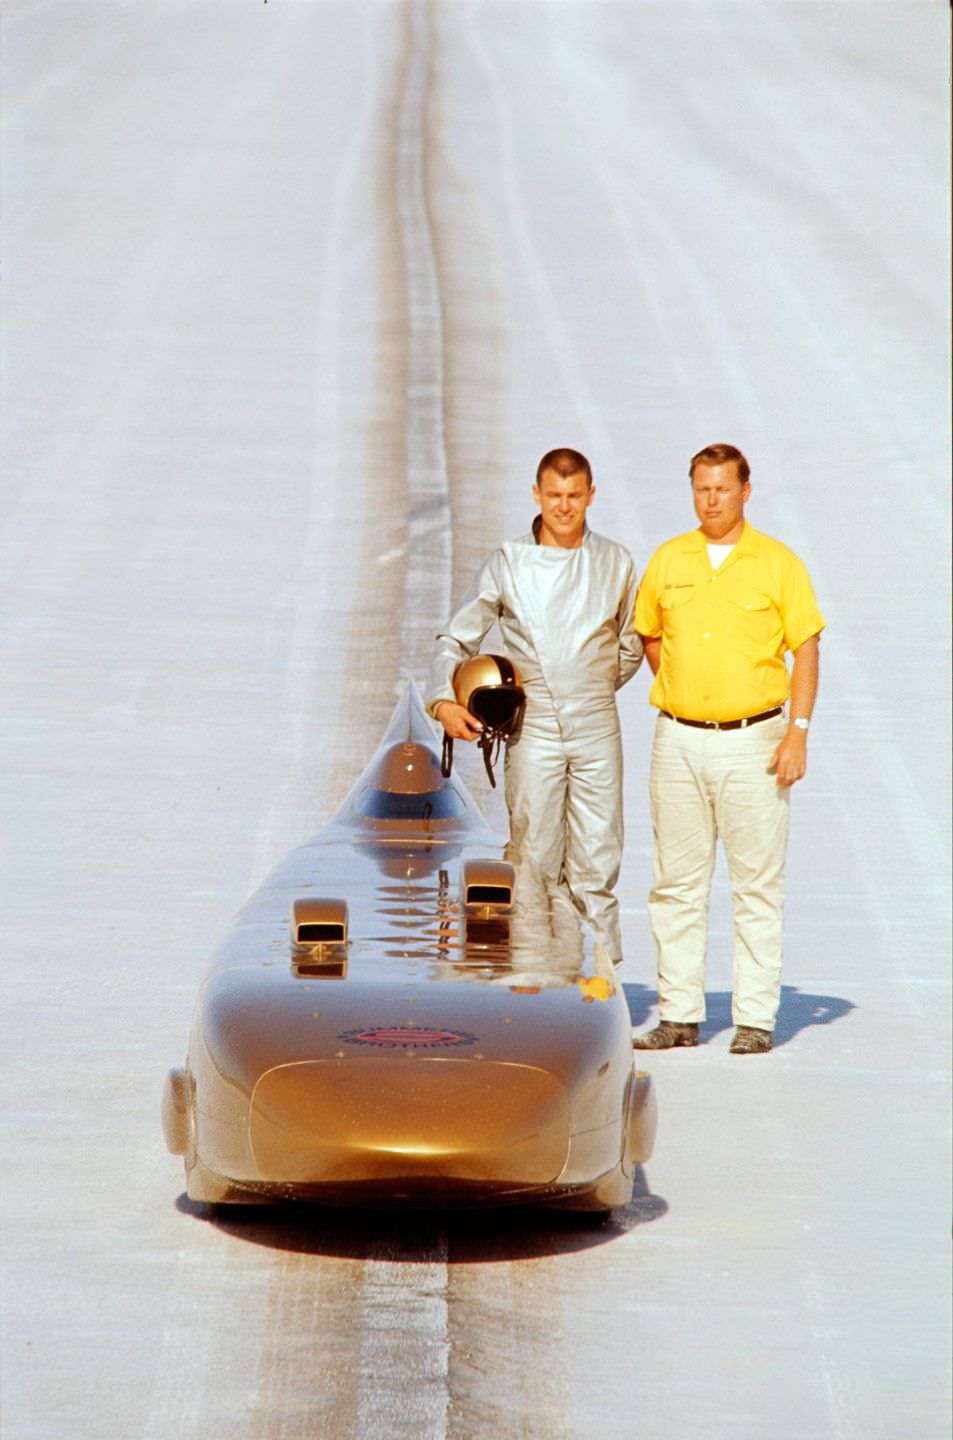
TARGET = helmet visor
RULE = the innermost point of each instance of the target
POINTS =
(498, 708)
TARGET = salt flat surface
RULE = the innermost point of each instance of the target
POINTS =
(295, 296)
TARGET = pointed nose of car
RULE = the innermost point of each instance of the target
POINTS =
(392, 1119)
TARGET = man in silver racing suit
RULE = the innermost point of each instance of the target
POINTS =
(563, 598)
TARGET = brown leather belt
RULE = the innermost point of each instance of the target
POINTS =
(725, 724)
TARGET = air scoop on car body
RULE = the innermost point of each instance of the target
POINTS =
(319, 922)
(488, 885)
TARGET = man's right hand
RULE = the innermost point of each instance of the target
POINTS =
(457, 720)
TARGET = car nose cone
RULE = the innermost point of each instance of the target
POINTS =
(406, 1117)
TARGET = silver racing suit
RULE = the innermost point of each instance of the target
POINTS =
(565, 617)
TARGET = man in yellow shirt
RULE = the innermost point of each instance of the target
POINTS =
(717, 610)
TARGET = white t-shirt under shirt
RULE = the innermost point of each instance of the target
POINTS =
(717, 554)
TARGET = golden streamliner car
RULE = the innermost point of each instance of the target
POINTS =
(398, 1016)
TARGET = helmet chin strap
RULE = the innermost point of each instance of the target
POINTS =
(489, 744)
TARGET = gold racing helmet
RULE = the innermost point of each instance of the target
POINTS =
(489, 686)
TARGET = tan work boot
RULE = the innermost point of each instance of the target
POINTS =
(667, 1035)
(750, 1041)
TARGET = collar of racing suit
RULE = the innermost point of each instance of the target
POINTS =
(538, 525)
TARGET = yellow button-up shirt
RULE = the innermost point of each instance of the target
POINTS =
(724, 632)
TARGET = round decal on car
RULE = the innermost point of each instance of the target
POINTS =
(422, 1036)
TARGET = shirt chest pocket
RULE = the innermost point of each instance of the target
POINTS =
(674, 608)
(756, 613)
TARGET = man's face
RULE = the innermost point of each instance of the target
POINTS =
(563, 501)
(720, 498)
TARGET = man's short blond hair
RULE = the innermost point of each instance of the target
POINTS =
(564, 462)
(721, 455)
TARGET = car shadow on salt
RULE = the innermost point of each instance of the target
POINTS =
(799, 1011)
(458, 1237)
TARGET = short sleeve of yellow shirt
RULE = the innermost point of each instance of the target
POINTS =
(725, 632)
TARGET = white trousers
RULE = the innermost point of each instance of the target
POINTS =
(565, 802)
(706, 783)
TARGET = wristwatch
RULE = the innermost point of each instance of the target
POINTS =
(800, 723)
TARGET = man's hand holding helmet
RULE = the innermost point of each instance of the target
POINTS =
(457, 721)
